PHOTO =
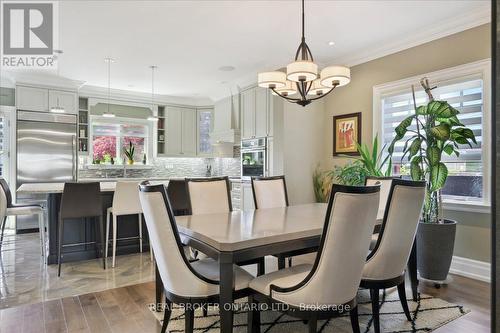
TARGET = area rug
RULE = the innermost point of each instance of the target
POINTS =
(428, 314)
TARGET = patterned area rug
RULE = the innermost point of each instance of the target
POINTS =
(428, 314)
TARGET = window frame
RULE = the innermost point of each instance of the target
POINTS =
(122, 121)
(481, 68)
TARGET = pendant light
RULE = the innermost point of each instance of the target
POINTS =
(109, 114)
(57, 108)
(302, 76)
(152, 116)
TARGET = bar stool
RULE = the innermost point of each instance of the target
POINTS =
(125, 202)
(8, 208)
(80, 200)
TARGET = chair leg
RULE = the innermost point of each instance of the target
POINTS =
(354, 319)
(140, 232)
(404, 302)
(4, 222)
(281, 262)
(253, 316)
(374, 293)
(114, 240)
(261, 267)
(103, 245)
(290, 262)
(59, 246)
(108, 214)
(189, 319)
(412, 271)
(166, 315)
(313, 324)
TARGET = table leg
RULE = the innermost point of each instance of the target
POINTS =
(226, 294)
(412, 271)
(159, 288)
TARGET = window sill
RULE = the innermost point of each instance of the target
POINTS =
(464, 206)
(117, 166)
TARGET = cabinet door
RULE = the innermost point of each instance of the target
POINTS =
(248, 114)
(32, 99)
(247, 196)
(174, 131)
(261, 112)
(204, 126)
(188, 132)
(65, 99)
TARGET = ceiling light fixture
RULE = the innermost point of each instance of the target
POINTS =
(152, 116)
(109, 114)
(302, 76)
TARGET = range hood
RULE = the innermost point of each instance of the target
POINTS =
(226, 130)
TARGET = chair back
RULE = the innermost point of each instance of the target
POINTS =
(385, 188)
(390, 255)
(178, 197)
(269, 192)
(177, 275)
(209, 195)
(6, 191)
(336, 273)
(126, 199)
(81, 200)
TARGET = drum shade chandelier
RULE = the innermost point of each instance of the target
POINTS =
(302, 77)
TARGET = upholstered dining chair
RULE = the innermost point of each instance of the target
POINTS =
(210, 196)
(386, 263)
(329, 286)
(271, 192)
(8, 208)
(189, 284)
(125, 202)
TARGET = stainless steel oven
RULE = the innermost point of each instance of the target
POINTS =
(253, 158)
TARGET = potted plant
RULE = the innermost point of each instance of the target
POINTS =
(436, 130)
(129, 153)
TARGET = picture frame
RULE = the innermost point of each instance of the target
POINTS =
(346, 133)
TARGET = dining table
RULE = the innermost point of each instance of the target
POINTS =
(241, 236)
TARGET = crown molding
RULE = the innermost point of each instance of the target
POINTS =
(446, 28)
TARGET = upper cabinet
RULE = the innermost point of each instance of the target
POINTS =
(189, 132)
(256, 113)
(181, 131)
(42, 99)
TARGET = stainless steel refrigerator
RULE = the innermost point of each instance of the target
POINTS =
(46, 153)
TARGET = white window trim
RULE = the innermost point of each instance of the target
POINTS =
(482, 68)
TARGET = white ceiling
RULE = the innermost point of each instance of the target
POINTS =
(190, 40)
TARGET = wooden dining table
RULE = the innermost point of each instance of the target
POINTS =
(241, 236)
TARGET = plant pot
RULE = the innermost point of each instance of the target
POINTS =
(435, 243)
(130, 162)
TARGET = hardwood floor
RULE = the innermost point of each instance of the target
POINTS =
(126, 310)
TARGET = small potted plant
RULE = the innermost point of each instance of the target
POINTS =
(129, 153)
(436, 130)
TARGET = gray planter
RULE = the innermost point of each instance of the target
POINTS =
(435, 244)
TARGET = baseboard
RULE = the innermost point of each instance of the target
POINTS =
(474, 269)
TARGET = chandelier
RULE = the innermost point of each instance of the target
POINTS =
(302, 77)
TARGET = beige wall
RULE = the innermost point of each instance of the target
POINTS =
(473, 234)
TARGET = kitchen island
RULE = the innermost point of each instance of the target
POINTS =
(81, 232)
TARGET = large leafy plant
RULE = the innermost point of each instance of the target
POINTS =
(432, 130)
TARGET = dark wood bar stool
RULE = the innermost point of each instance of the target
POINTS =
(80, 200)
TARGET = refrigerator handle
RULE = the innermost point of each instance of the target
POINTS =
(73, 152)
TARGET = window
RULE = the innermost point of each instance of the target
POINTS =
(109, 139)
(204, 128)
(467, 89)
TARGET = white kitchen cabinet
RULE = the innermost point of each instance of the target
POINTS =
(189, 130)
(261, 112)
(32, 99)
(174, 131)
(247, 196)
(66, 99)
(248, 114)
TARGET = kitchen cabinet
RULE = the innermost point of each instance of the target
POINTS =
(181, 131)
(255, 113)
(66, 99)
(32, 99)
(247, 196)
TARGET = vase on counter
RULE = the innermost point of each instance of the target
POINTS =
(130, 162)
(144, 160)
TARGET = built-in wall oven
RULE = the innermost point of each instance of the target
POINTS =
(253, 158)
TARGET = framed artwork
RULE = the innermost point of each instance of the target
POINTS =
(346, 133)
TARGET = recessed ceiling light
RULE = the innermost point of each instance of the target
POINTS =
(226, 68)
(331, 43)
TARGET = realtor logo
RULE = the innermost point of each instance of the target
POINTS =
(28, 34)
